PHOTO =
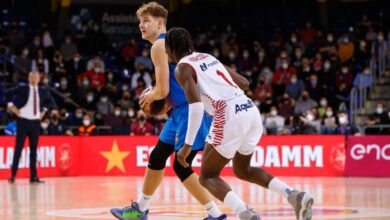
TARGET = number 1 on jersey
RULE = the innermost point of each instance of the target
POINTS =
(219, 73)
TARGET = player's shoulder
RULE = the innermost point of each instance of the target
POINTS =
(158, 48)
(159, 45)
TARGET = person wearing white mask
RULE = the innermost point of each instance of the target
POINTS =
(328, 122)
(87, 128)
(273, 122)
(115, 121)
(344, 126)
(104, 106)
(379, 117)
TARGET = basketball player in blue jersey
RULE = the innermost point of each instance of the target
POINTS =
(153, 19)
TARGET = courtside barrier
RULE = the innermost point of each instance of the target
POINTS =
(368, 156)
(124, 155)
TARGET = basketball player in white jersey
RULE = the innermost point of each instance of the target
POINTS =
(235, 131)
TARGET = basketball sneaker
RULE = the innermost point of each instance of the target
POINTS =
(221, 217)
(249, 214)
(301, 202)
(130, 213)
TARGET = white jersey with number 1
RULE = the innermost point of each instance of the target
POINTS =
(214, 82)
(237, 125)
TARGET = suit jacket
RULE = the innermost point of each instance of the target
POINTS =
(19, 96)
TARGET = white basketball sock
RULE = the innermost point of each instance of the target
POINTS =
(144, 201)
(275, 185)
(212, 209)
(234, 202)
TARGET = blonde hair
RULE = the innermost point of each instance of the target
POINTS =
(154, 9)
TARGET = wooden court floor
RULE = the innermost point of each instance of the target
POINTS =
(92, 197)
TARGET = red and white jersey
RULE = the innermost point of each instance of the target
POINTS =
(214, 81)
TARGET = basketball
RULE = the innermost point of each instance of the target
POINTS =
(158, 107)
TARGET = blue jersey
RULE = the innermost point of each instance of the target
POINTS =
(175, 128)
(176, 96)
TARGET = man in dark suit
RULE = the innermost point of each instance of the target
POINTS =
(33, 102)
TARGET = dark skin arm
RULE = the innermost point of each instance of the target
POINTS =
(241, 81)
(185, 76)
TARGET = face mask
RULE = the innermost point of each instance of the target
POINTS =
(294, 39)
(117, 113)
(245, 55)
(104, 99)
(344, 70)
(65, 115)
(76, 59)
(323, 103)
(63, 83)
(79, 115)
(367, 72)
(96, 69)
(216, 54)
(273, 113)
(25, 52)
(89, 98)
(130, 113)
(310, 117)
(346, 40)
(232, 56)
(124, 87)
(261, 54)
(294, 80)
(86, 122)
(329, 113)
(343, 120)
(326, 66)
(284, 65)
(379, 110)
(44, 125)
(330, 39)
(85, 82)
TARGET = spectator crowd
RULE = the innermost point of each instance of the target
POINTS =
(300, 80)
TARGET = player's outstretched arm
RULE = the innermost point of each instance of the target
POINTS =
(241, 81)
(185, 76)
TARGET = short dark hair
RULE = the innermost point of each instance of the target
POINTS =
(179, 41)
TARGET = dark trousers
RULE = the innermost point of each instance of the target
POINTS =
(31, 129)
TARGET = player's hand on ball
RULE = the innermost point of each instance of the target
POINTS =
(145, 100)
(182, 155)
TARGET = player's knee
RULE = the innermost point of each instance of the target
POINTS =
(203, 181)
(159, 155)
(182, 172)
(241, 173)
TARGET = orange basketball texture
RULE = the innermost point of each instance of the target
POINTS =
(158, 107)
